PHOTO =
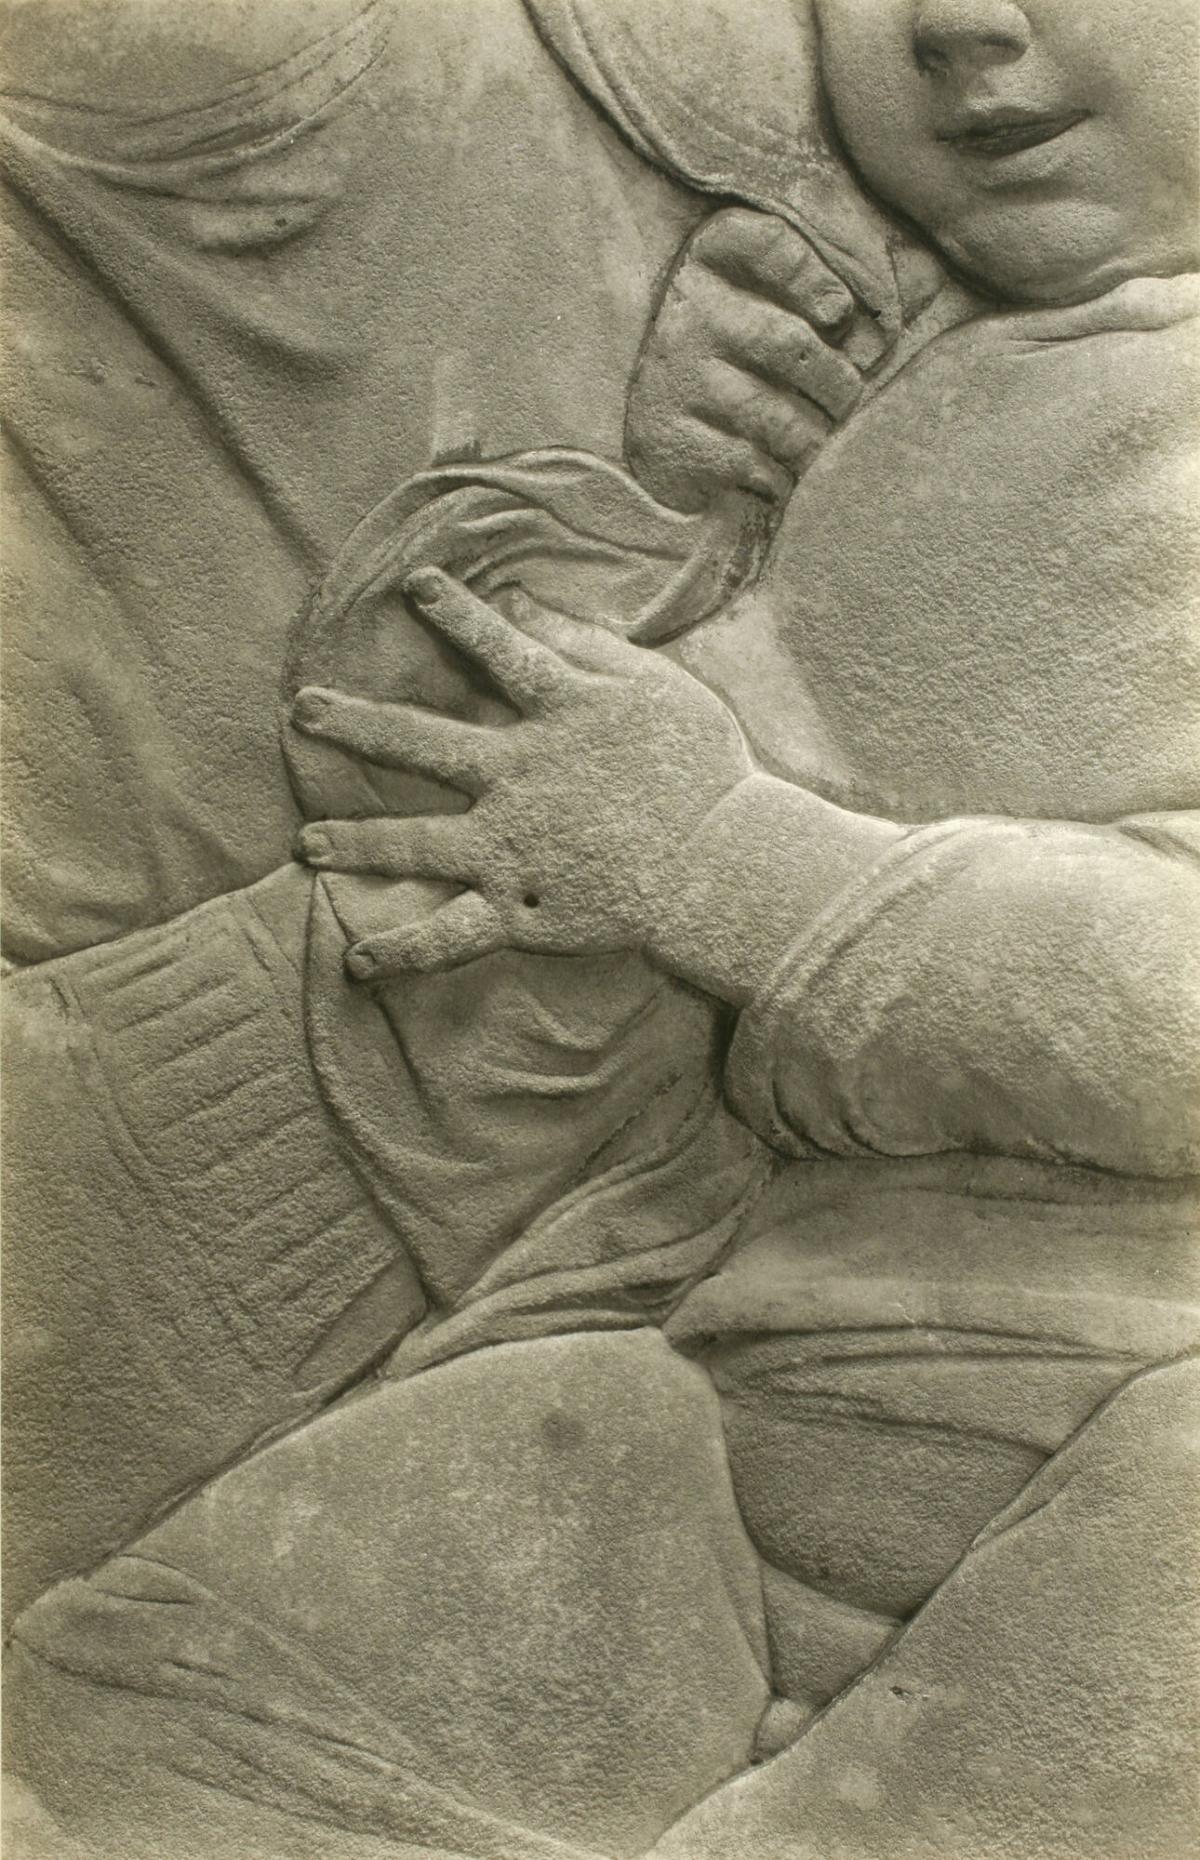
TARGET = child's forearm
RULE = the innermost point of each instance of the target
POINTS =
(1027, 987)
(763, 865)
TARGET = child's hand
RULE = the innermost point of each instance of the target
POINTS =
(743, 373)
(583, 806)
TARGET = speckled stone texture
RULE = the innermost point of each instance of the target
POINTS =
(602, 1002)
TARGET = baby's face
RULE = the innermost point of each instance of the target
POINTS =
(1048, 149)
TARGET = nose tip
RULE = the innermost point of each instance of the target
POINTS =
(968, 35)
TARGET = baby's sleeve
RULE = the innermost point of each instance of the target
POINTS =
(1024, 987)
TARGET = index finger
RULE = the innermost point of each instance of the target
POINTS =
(763, 254)
(528, 672)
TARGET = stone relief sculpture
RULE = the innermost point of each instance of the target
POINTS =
(602, 1000)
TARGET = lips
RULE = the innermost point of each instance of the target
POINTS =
(999, 134)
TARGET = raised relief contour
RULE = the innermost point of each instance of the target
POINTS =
(602, 995)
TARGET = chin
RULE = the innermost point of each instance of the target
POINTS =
(1079, 284)
(1076, 256)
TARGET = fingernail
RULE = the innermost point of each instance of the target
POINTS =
(310, 710)
(524, 607)
(423, 585)
(362, 961)
(833, 304)
(314, 846)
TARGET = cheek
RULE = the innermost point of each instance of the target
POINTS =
(871, 80)
(1165, 113)
(1139, 67)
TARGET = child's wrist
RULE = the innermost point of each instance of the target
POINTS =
(760, 867)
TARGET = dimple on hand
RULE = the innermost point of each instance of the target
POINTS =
(580, 808)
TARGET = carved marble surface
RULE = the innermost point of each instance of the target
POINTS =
(601, 1004)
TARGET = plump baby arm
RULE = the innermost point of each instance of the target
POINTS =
(1022, 987)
